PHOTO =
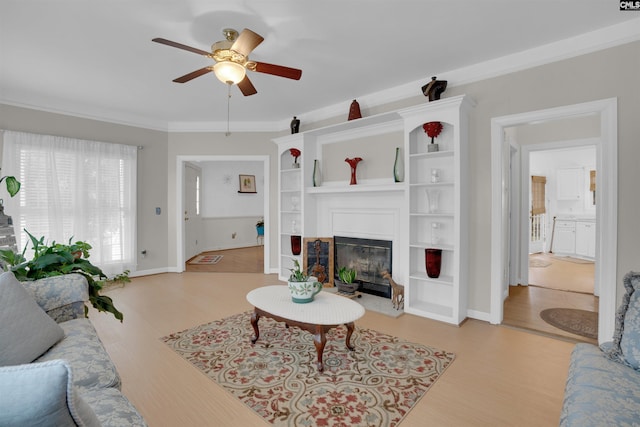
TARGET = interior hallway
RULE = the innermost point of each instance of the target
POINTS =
(523, 306)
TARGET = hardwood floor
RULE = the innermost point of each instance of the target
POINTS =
(239, 260)
(501, 376)
(523, 306)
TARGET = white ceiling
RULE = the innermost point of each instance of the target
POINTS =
(96, 59)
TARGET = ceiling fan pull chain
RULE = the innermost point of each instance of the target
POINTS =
(228, 109)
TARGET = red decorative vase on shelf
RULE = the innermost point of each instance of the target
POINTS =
(296, 245)
(354, 164)
(433, 261)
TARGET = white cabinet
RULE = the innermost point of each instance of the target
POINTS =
(586, 239)
(569, 183)
(564, 239)
(573, 237)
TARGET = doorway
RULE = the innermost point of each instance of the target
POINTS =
(505, 256)
(181, 231)
(560, 262)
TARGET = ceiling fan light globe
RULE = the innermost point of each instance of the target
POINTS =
(229, 72)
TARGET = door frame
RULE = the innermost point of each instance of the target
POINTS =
(606, 204)
(180, 232)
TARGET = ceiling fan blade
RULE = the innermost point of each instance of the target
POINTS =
(181, 46)
(278, 70)
(246, 42)
(192, 75)
(246, 87)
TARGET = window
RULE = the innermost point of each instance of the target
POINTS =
(71, 188)
(538, 205)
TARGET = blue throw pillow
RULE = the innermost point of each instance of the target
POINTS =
(625, 347)
(42, 394)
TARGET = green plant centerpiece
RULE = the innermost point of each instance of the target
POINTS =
(347, 278)
(260, 227)
(303, 288)
(58, 259)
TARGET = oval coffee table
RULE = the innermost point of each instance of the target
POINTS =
(325, 312)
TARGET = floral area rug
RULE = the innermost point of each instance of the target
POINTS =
(375, 385)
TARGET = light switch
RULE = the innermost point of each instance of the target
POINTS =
(158, 211)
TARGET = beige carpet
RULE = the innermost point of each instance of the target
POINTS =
(561, 274)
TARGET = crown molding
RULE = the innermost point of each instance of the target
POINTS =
(593, 41)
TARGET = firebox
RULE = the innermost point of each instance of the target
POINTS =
(369, 257)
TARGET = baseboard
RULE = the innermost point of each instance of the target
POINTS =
(478, 315)
(152, 271)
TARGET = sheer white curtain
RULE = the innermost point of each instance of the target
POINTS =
(74, 188)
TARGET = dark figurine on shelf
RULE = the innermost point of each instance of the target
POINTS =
(295, 125)
(434, 89)
(354, 111)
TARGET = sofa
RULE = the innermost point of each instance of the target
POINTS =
(54, 370)
(603, 385)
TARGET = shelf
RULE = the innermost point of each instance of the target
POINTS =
(420, 307)
(290, 170)
(432, 155)
(425, 245)
(359, 188)
(431, 184)
(432, 214)
(442, 280)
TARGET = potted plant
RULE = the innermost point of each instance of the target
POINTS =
(347, 282)
(58, 259)
(302, 286)
(260, 227)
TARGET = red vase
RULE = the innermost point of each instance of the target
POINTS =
(433, 261)
(354, 164)
(296, 245)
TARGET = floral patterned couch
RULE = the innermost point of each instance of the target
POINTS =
(603, 385)
(55, 372)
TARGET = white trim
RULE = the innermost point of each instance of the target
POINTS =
(606, 204)
(180, 161)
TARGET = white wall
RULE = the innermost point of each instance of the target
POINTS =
(228, 217)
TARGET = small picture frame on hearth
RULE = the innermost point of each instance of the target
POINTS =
(317, 259)
(247, 184)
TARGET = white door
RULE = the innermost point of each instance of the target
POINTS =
(192, 218)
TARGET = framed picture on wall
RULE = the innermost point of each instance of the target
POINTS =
(317, 259)
(247, 184)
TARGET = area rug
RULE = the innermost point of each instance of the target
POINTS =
(538, 263)
(206, 259)
(579, 322)
(375, 385)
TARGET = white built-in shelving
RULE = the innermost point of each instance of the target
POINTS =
(443, 298)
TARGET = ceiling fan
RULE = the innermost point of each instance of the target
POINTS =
(232, 60)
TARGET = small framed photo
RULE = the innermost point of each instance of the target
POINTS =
(318, 259)
(247, 184)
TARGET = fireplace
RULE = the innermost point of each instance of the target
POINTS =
(369, 258)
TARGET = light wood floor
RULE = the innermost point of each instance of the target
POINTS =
(501, 376)
(239, 260)
(523, 306)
